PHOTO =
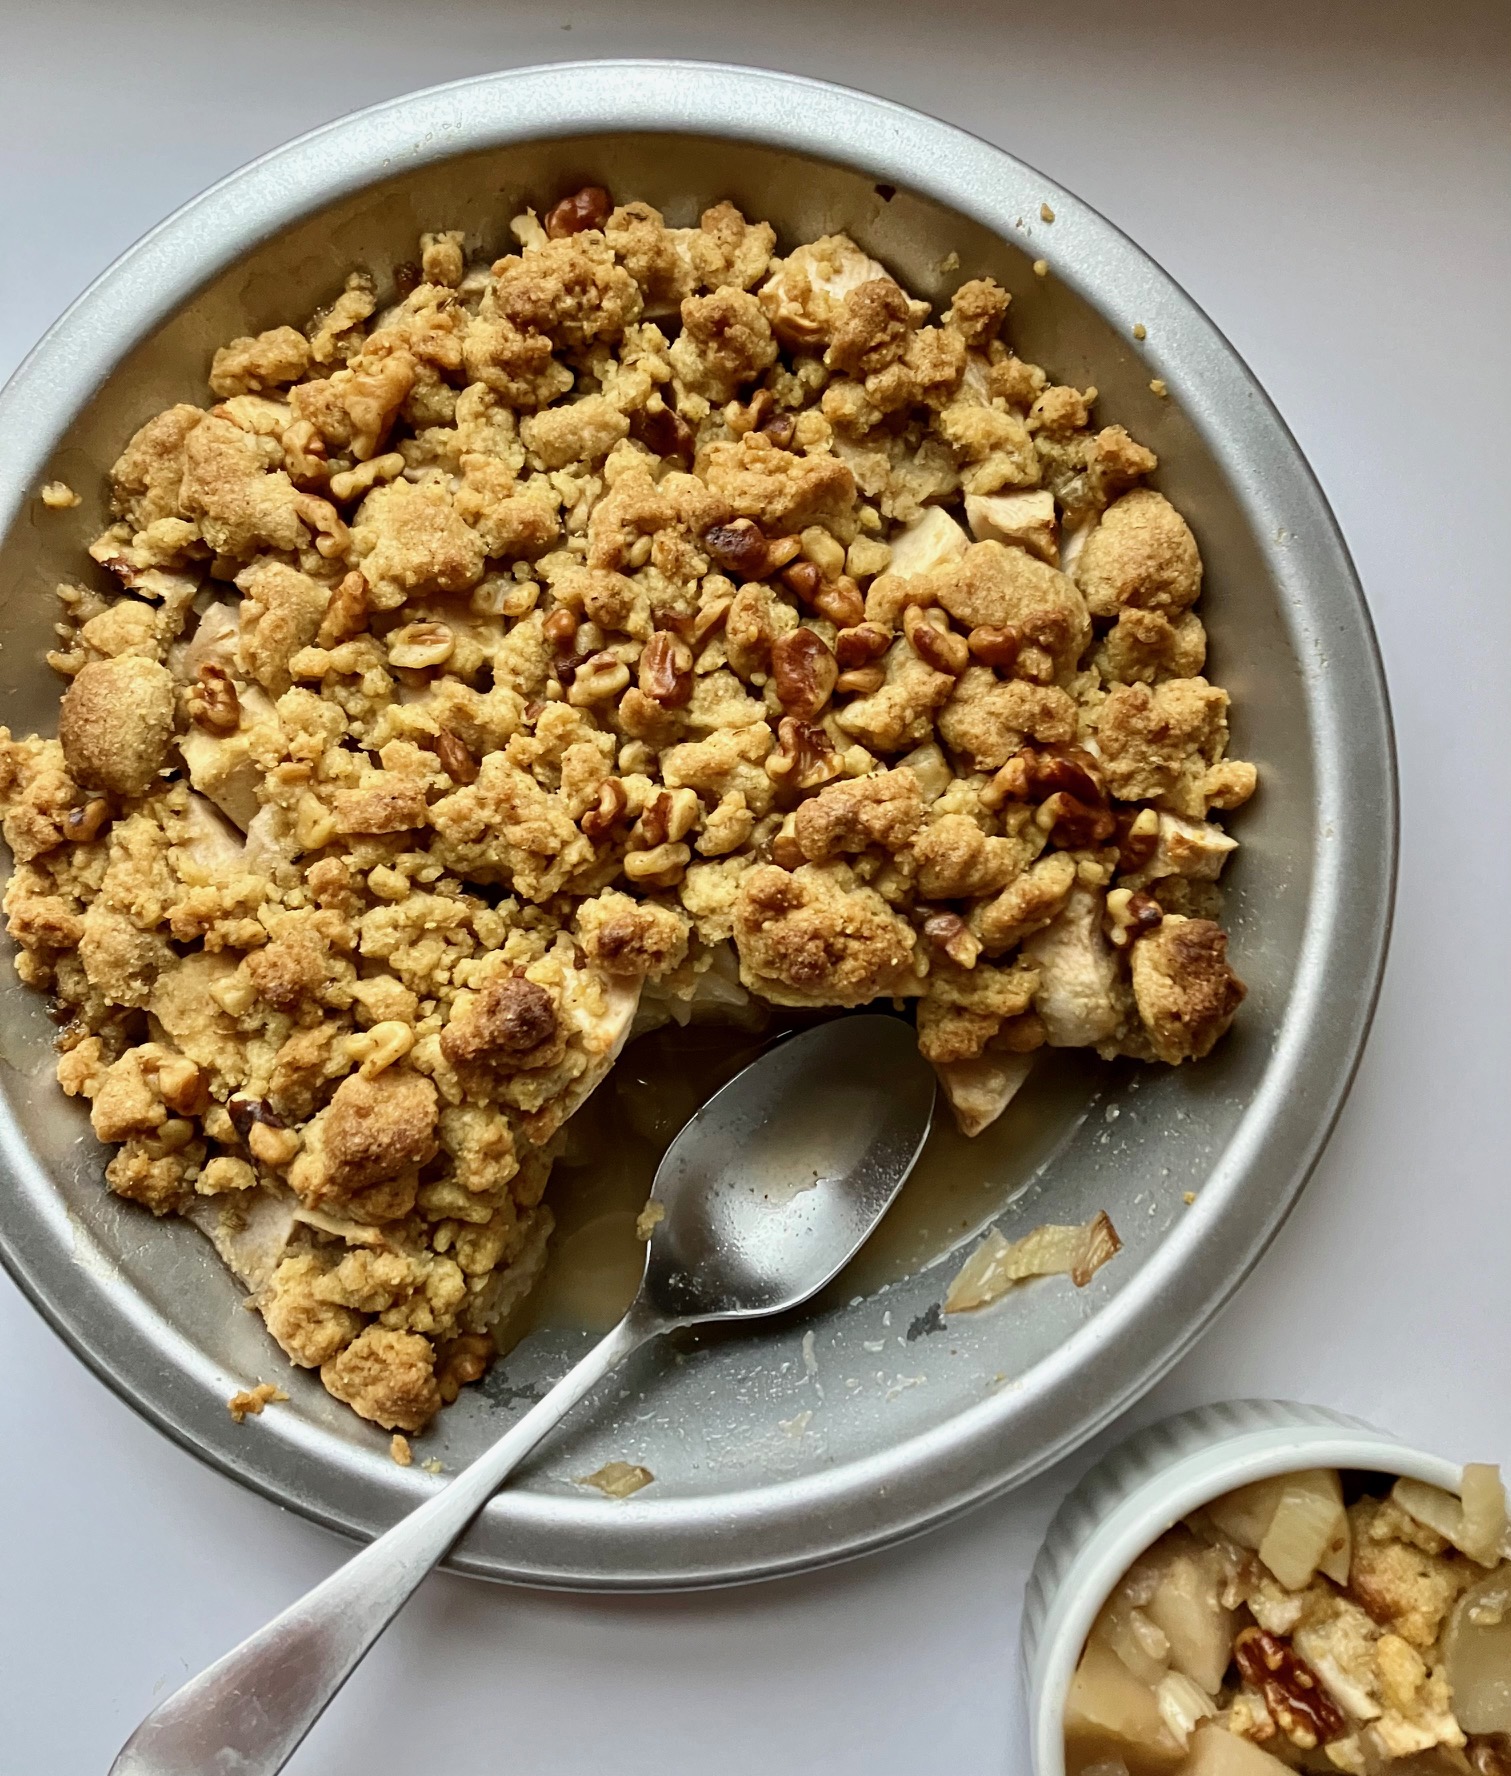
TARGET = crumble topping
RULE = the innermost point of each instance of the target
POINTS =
(500, 665)
(249, 1402)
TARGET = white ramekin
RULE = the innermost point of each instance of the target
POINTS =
(1144, 1487)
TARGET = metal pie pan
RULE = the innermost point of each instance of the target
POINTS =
(907, 1423)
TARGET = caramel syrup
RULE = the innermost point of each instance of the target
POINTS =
(616, 1141)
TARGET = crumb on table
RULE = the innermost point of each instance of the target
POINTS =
(1045, 213)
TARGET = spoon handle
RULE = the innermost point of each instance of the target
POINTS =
(249, 1711)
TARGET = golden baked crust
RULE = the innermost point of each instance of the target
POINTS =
(116, 722)
(1185, 991)
(636, 606)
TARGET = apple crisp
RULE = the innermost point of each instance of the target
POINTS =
(640, 626)
(1309, 1622)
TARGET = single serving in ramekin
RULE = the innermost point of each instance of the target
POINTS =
(1319, 1621)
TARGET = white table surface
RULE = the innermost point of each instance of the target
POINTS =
(1335, 190)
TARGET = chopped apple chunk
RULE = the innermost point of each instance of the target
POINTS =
(1137, 1641)
(1477, 1654)
(997, 1264)
(1475, 1522)
(1245, 1514)
(1216, 1752)
(1182, 1704)
(1109, 1713)
(930, 541)
(1188, 1609)
(1025, 519)
(1308, 1524)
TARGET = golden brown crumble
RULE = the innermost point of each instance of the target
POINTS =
(640, 622)
(249, 1402)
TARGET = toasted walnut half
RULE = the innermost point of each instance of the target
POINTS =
(666, 670)
(803, 672)
(588, 208)
(212, 703)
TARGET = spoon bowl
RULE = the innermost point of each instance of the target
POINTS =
(774, 1186)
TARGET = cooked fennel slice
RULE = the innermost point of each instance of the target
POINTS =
(997, 1263)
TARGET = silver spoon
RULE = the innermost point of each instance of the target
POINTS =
(768, 1193)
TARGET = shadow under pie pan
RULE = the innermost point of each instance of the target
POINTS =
(868, 1419)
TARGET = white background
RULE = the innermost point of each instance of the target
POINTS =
(1333, 185)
